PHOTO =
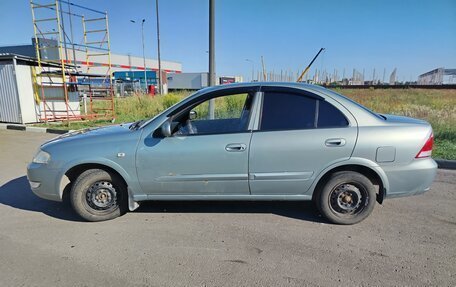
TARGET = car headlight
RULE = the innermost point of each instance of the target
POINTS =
(41, 157)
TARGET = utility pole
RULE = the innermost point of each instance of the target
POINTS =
(158, 51)
(143, 52)
(211, 54)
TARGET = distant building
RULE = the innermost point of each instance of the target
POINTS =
(188, 81)
(196, 81)
(393, 77)
(439, 76)
(357, 78)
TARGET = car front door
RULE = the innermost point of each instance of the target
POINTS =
(205, 155)
(298, 135)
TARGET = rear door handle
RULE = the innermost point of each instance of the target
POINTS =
(335, 142)
(235, 147)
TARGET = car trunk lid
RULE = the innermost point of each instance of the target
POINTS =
(402, 119)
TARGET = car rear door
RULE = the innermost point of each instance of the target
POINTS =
(299, 133)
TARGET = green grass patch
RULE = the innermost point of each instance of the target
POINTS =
(444, 149)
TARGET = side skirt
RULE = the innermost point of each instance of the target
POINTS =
(223, 197)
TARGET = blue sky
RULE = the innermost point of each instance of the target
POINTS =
(414, 36)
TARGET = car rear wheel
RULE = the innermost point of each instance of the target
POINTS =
(98, 195)
(347, 198)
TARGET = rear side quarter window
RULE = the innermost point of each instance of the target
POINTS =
(329, 116)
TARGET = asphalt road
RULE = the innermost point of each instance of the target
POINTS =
(408, 241)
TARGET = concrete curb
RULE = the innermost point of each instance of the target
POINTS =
(442, 163)
(31, 129)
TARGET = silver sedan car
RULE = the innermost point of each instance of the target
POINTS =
(252, 141)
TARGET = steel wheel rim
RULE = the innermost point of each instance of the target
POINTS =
(102, 196)
(348, 199)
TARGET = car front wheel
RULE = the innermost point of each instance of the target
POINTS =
(98, 195)
(347, 198)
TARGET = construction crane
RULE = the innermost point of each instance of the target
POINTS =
(308, 67)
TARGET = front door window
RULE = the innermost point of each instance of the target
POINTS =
(231, 115)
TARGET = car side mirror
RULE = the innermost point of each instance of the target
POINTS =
(166, 129)
(192, 115)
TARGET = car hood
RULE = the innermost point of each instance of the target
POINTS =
(89, 133)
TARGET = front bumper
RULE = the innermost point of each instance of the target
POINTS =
(44, 181)
(411, 179)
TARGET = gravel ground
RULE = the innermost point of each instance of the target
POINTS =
(407, 241)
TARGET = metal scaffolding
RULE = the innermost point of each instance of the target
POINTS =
(60, 81)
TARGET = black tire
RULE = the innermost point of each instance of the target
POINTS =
(347, 197)
(98, 195)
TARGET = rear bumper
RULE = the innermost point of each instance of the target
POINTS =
(411, 179)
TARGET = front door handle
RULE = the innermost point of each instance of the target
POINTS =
(335, 142)
(235, 147)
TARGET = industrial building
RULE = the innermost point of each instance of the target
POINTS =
(196, 81)
(439, 76)
(18, 102)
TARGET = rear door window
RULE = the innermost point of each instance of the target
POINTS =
(287, 111)
(284, 110)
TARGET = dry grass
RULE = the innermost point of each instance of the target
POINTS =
(438, 107)
(435, 106)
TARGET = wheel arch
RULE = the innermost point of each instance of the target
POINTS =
(72, 171)
(76, 170)
(373, 173)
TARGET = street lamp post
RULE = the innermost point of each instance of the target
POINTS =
(253, 67)
(211, 54)
(160, 86)
(143, 50)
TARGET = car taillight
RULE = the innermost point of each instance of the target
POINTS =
(426, 150)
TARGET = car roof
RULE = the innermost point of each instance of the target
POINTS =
(256, 84)
(360, 112)
(294, 85)
(301, 86)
